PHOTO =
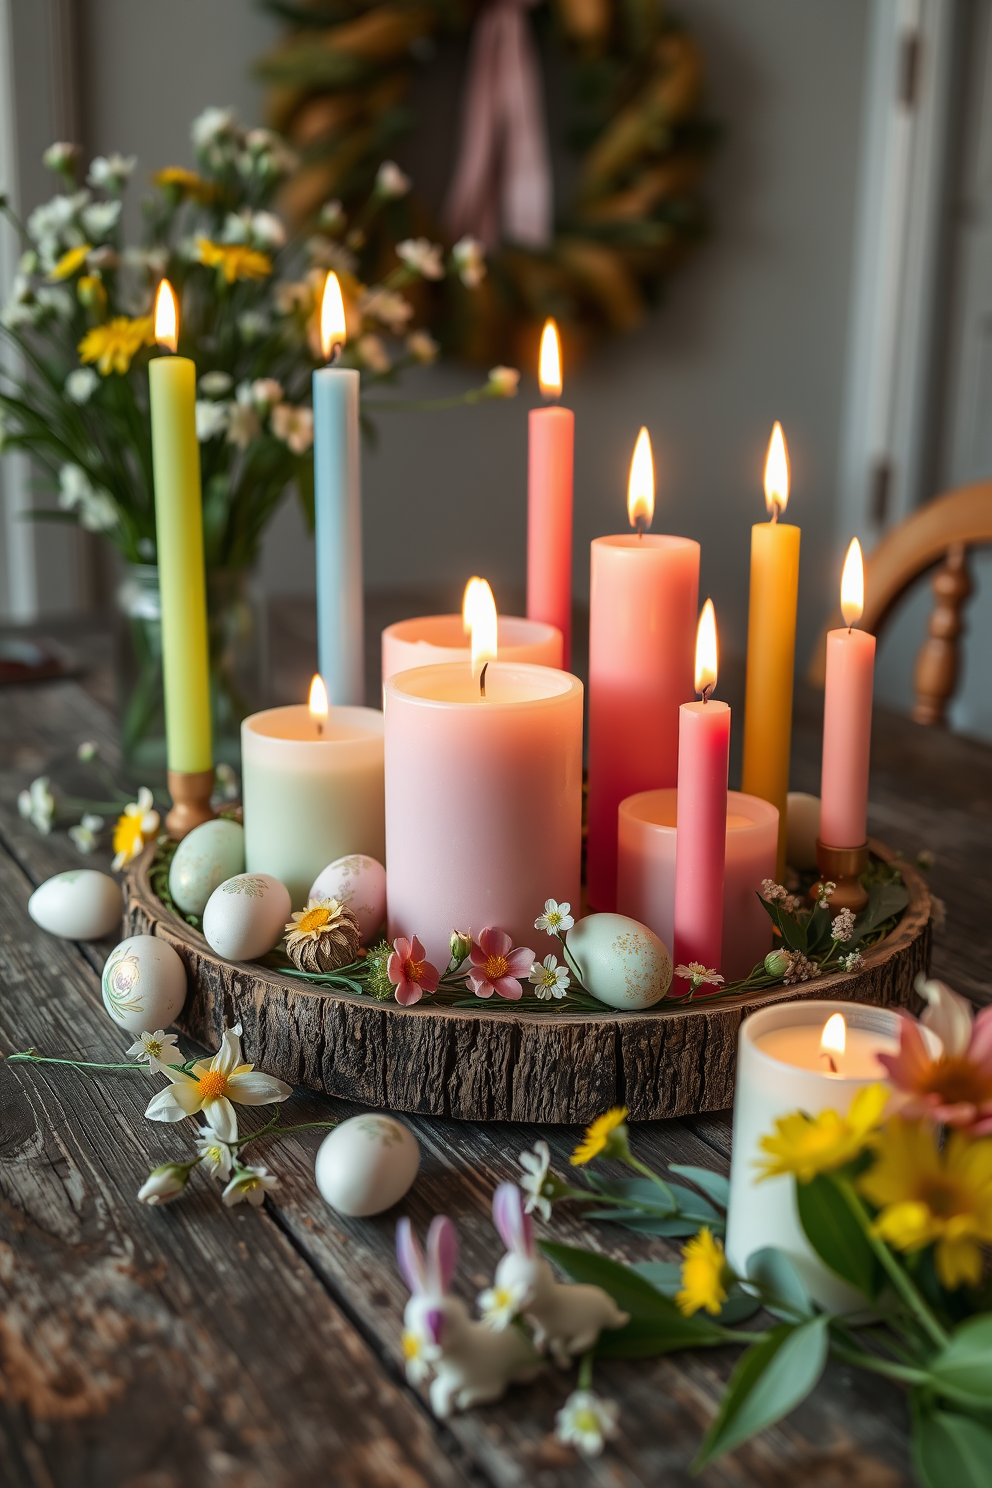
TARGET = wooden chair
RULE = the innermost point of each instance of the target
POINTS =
(939, 533)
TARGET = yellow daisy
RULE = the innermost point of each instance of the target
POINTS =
(234, 260)
(70, 262)
(807, 1145)
(187, 182)
(704, 1275)
(113, 346)
(135, 825)
(929, 1196)
(606, 1134)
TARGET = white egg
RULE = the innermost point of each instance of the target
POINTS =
(78, 905)
(245, 916)
(620, 961)
(143, 984)
(208, 856)
(359, 883)
(802, 829)
(366, 1164)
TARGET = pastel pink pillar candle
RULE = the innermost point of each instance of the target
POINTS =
(551, 434)
(642, 630)
(430, 639)
(701, 840)
(850, 677)
(483, 801)
(646, 871)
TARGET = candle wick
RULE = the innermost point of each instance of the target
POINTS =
(830, 1061)
(482, 680)
(335, 356)
(774, 512)
(320, 730)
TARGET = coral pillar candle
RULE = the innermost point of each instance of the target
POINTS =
(551, 440)
(338, 512)
(701, 833)
(847, 717)
(642, 618)
(646, 872)
(313, 789)
(771, 645)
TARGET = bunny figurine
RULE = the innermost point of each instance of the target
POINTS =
(567, 1320)
(472, 1364)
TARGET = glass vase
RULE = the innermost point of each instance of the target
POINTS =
(237, 634)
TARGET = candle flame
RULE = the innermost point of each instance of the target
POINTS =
(852, 584)
(166, 316)
(777, 473)
(706, 651)
(468, 601)
(640, 487)
(318, 698)
(549, 365)
(333, 327)
(480, 612)
(834, 1037)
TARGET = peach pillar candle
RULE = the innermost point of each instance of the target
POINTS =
(551, 441)
(642, 615)
(847, 701)
(483, 800)
(646, 872)
(431, 639)
(701, 833)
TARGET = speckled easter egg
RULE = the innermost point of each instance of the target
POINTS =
(366, 1164)
(802, 829)
(620, 961)
(206, 857)
(80, 904)
(143, 984)
(245, 916)
(359, 883)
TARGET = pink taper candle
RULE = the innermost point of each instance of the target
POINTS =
(701, 841)
(551, 441)
(642, 618)
(850, 677)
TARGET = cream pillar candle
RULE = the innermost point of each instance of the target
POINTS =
(313, 791)
(780, 1069)
(483, 800)
(431, 639)
(646, 872)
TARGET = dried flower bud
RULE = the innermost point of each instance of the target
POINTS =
(778, 963)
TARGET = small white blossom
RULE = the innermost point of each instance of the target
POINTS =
(294, 426)
(503, 382)
(252, 326)
(469, 259)
(265, 391)
(267, 155)
(387, 307)
(587, 1422)
(422, 257)
(156, 1049)
(854, 961)
(556, 919)
(87, 751)
(211, 419)
(56, 299)
(216, 384)
(422, 347)
(81, 384)
(372, 353)
(111, 172)
(390, 181)
(242, 421)
(417, 1366)
(100, 218)
(37, 805)
(499, 1305)
(96, 508)
(548, 978)
(60, 157)
(698, 975)
(250, 1184)
(164, 1183)
(536, 1165)
(332, 216)
(823, 893)
(86, 834)
(267, 231)
(217, 1157)
(843, 926)
(227, 781)
(210, 126)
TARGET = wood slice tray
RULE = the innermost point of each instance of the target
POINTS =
(501, 1064)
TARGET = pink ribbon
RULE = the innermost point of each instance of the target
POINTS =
(501, 187)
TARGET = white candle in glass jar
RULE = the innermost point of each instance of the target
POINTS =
(780, 1070)
(313, 791)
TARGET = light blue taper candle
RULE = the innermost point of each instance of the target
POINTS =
(338, 518)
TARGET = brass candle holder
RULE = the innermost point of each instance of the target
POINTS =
(190, 792)
(842, 866)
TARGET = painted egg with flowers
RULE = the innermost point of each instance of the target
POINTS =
(143, 984)
(620, 961)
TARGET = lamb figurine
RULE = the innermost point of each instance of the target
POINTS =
(472, 1364)
(567, 1320)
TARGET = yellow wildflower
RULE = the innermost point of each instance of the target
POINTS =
(70, 261)
(931, 1196)
(234, 260)
(113, 346)
(704, 1275)
(91, 292)
(607, 1134)
(136, 823)
(187, 182)
(808, 1145)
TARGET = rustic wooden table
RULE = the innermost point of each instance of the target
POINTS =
(256, 1348)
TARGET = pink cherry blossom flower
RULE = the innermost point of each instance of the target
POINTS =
(497, 966)
(410, 972)
(955, 1088)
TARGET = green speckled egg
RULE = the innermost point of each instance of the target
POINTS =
(621, 961)
(208, 856)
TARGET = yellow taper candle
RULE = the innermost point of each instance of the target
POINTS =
(771, 645)
(179, 528)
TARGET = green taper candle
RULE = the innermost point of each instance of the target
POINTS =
(179, 527)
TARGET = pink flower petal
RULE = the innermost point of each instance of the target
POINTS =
(519, 962)
(495, 942)
(394, 968)
(429, 977)
(416, 951)
(508, 988)
(481, 986)
(407, 993)
(961, 1113)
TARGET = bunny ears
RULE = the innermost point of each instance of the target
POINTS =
(433, 1273)
(515, 1227)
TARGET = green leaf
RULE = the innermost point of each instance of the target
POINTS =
(966, 1362)
(769, 1381)
(783, 1290)
(715, 1185)
(650, 1224)
(950, 1450)
(631, 1292)
(666, 1276)
(835, 1234)
(884, 901)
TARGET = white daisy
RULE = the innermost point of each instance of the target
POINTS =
(536, 1164)
(548, 978)
(556, 919)
(250, 1184)
(587, 1422)
(158, 1049)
